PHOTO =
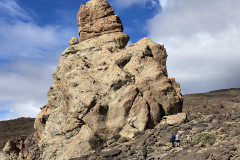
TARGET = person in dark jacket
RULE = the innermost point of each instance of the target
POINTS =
(172, 140)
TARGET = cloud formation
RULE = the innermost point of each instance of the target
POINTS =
(129, 3)
(201, 38)
(10, 8)
(29, 55)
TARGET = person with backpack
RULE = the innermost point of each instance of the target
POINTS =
(172, 140)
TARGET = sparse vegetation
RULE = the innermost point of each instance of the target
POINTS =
(103, 137)
(144, 152)
(95, 142)
(203, 139)
(116, 137)
(137, 134)
(216, 112)
(122, 140)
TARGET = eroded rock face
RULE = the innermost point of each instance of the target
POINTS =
(98, 90)
(101, 87)
(97, 18)
(25, 148)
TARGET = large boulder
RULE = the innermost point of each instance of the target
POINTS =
(176, 119)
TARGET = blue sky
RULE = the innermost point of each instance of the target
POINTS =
(201, 38)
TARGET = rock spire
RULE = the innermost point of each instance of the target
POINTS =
(97, 18)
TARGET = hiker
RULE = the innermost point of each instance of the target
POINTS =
(177, 140)
(172, 140)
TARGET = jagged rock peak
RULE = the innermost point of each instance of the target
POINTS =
(97, 18)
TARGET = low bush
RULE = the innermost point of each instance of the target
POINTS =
(144, 152)
(116, 136)
(122, 140)
(95, 141)
(204, 138)
(137, 134)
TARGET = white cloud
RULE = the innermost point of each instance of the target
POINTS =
(31, 39)
(163, 3)
(13, 9)
(23, 88)
(29, 55)
(128, 3)
(27, 109)
(201, 38)
(23, 81)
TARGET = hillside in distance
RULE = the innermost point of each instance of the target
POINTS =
(15, 129)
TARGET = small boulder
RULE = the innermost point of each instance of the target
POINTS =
(73, 41)
(176, 119)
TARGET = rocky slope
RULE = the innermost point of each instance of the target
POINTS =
(215, 112)
(211, 132)
(15, 129)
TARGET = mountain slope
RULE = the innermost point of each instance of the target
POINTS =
(14, 129)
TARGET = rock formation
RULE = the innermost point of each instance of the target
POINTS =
(101, 87)
(97, 18)
(174, 120)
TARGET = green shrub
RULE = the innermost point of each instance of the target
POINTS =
(103, 137)
(216, 112)
(137, 134)
(116, 136)
(94, 142)
(122, 140)
(204, 138)
(106, 137)
(144, 152)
